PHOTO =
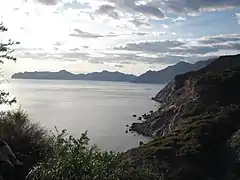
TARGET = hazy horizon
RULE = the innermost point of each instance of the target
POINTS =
(76, 73)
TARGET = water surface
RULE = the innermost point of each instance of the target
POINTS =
(102, 108)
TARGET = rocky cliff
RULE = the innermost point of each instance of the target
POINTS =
(196, 129)
(185, 92)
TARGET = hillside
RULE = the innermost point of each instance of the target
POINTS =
(65, 75)
(197, 127)
(165, 75)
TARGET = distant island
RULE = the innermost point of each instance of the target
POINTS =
(152, 77)
(65, 75)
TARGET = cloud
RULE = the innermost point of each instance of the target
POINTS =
(179, 19)
(165, 26)
(151, 46)
(132, 7)
(127, 57)
(119, 58)
(146, 52)
(108, 10)
(82, 34)
(197, 5)
(112, 34)
(49, 2)
(192, 47)
(72, 56)
(140, 33)
(138, 22)
(194, 50)
(152, 9)
(238, 18)
(219, 39)
(149, 10)
(74, 49)
(57, 44)
(119, 66)
(39, 54)
(75, 5)
(135, 58)
(96, 62)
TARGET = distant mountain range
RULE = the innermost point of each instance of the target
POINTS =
(165, 75)
(65, 75)
(152, 77)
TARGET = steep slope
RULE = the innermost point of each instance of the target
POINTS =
(167, 74)
(197, 127)
(182, 93)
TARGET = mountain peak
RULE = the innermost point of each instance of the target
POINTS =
(182, 63)
(165, 75)
(63, 71)
(65, 75)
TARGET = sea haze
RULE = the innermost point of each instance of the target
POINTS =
(102, 108)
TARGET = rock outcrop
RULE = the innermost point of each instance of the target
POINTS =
(197, 128)
(186, 91)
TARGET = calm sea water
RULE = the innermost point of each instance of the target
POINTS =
(102, 108)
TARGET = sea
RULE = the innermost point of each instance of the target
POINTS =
(104, 109)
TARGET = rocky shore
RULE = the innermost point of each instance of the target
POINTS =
(197, 129)
(181, 96)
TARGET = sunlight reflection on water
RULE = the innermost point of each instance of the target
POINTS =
(102, 108)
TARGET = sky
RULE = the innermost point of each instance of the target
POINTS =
(130, 36)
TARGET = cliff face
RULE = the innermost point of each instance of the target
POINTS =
(214, 84)
(197, 127)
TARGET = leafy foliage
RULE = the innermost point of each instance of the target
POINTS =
(5, 50)
(6, 54)
(61, 156)
(28, 141)
(75, 159)
(4, 98)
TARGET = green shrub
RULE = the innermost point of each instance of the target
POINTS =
(75, 159)
(28, 141)
(61, 156)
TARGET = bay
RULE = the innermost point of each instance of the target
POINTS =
(102, 108)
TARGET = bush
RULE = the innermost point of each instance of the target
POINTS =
(28, 141)
(74, 159)
(61, 156)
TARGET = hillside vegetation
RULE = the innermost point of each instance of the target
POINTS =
(196, 129)
(58, 156)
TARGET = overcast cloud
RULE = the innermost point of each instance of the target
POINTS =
(79, 33)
